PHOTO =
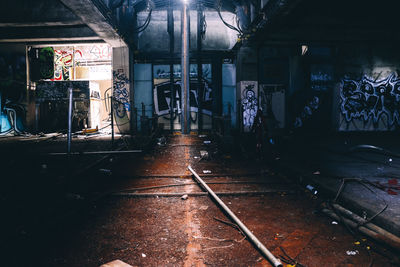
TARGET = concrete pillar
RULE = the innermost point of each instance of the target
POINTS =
(121, 89)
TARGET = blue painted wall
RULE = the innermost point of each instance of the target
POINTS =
(229, 90)
(143, 89)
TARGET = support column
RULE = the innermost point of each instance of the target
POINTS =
(185, 69)
(171, 64)
(199, 66)
(121, 92)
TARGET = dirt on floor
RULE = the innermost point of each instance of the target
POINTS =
(150, 230)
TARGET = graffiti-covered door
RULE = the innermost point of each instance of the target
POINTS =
(163, 101)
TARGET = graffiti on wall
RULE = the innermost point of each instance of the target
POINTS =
(369, 104)
(63, 59)
(308, 110)
(198, 96)
(121, 93)
(162, 98)
(249, 103)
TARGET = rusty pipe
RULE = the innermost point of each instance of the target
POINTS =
(275, 262)
(395, 239)
(366, 231)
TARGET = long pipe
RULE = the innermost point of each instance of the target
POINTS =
(69, 121)
(276, 262)
(112, 119)
(185, 69)
(368, 232)
(95, 153)
(360, 220)
(199, 66)
(171, 32)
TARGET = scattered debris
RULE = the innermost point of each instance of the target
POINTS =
(206, 171)
(144, 255)
(184, 197)
(207, 142)
(334, 222)
(202, 136)
(203, 208)
(105, 171)
(161, 141)
(316, 173)
(352, 252)
(312, 189)
(73, 196)
(116, 263)
(204, 154)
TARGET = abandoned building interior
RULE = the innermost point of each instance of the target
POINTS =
(199, 133)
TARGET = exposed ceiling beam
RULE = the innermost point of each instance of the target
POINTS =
(96, 20)
(51, 40)
(35, 34)
(41, 23)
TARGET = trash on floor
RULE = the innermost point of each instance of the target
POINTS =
(352, 252)
(204, 154)
(184, 197)
(116, 263)
(312, 189)
(207, 142)
(105, 171)
(144, 255)
(334, 222)
(161, 141)
(206, 171)
(202, 136)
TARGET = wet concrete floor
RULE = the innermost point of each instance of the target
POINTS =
(140, 218)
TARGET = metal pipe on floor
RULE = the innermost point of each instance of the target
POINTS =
(363, 222)
(275, 262)
(368, 232)
(94, 153)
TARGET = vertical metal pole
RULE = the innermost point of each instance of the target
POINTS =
(112, 119)
(171, 64)
(70, 91)
(131, 90)
(199, 67)
(185, 69)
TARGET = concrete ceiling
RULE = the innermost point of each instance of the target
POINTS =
(51, 21)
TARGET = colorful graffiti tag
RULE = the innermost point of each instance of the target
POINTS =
(374, 103)
(63, 60)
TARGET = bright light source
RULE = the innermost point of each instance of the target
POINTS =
(185, 1)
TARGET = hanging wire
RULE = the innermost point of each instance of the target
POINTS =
(145, 24)
(218, 8)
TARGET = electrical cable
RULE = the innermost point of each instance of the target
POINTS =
(218, 8)
(145, 24)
